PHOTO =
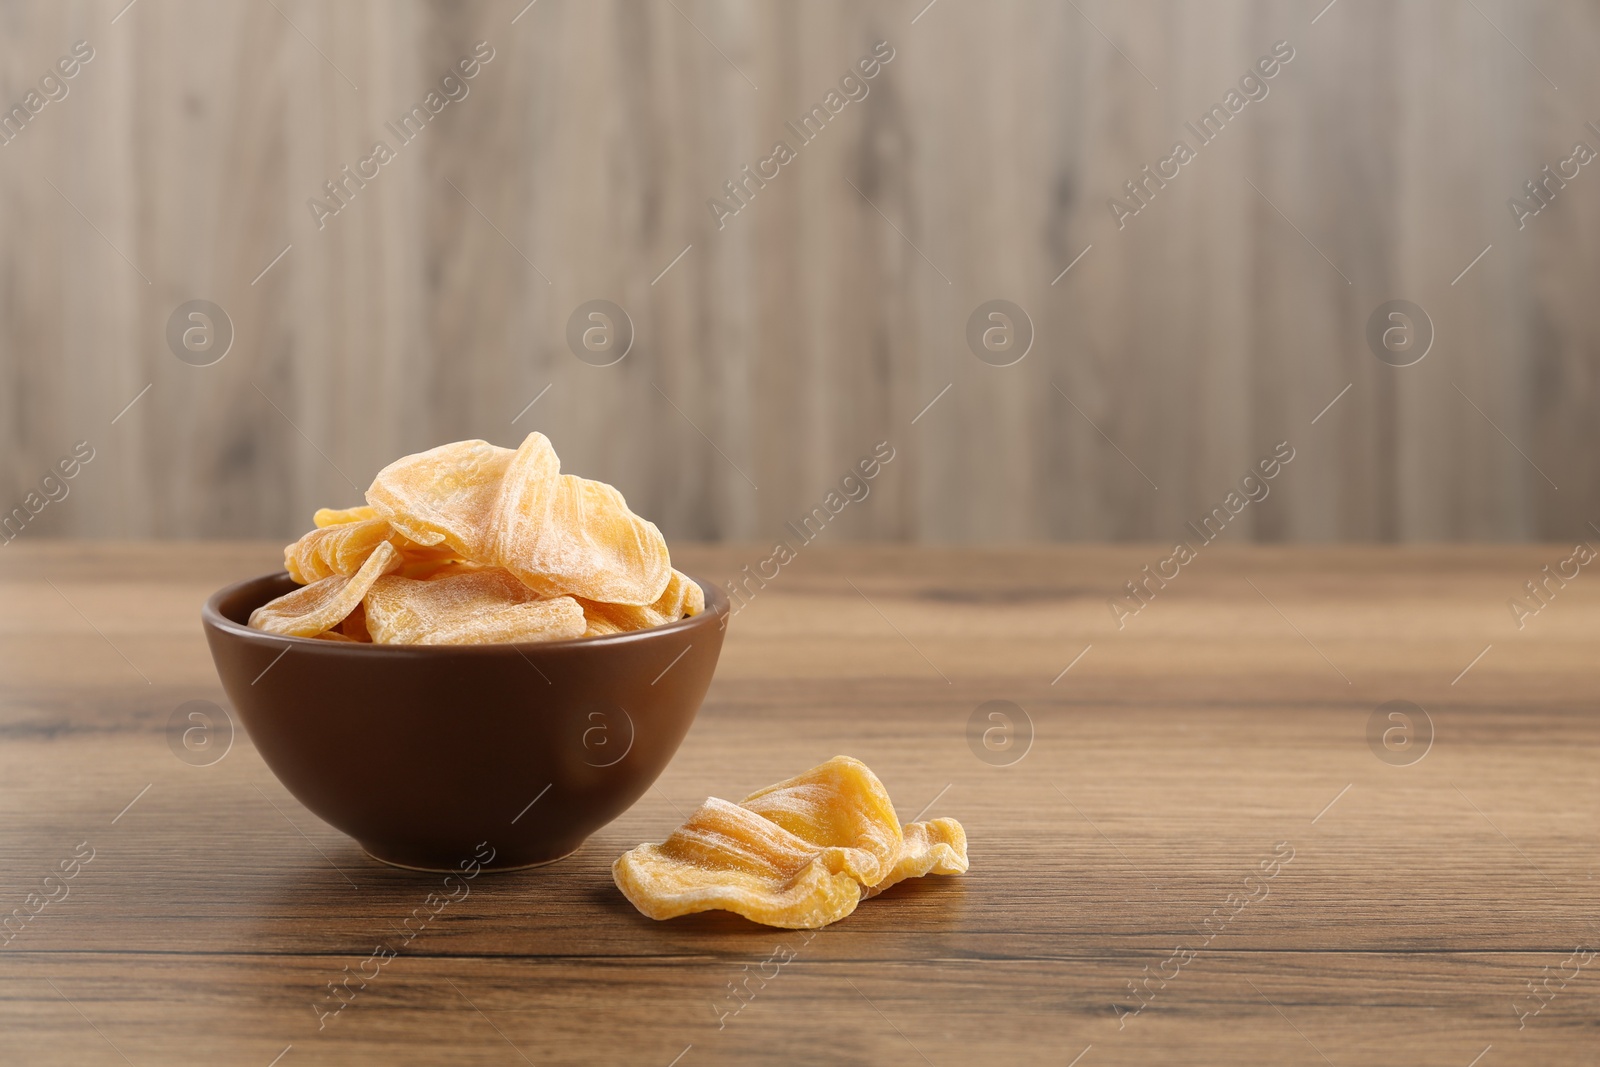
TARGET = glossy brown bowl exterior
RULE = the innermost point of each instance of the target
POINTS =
(430, 756)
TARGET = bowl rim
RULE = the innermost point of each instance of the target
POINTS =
(211, 615)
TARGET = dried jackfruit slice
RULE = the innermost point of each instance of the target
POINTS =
(782, 857)
(426, 564)
(324, 604)
(840, 802)
(729, 858)
(335, 516)
(483, 606)
(565, 535)
(337, 549)
(599, 625)
(446, 495)
(354, 625)
(694, 598)
(344, 547)
(554, 619)
(683, 597)
(938, 846)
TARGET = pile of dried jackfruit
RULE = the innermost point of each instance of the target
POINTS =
(472, 543)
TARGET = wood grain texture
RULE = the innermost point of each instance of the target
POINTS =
(1165, 765)
(831, 310)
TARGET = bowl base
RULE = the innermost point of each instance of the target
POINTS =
(484, 868)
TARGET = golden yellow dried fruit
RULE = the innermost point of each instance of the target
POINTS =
(335, 516)
(337, 549)
(799, 854)
(694, 598)
(938, 846)
(324, 604)
(839, 802)
(683, 597)
(565, 535)
(452, 569)
(488, 605)
(469, 507)
(425, 564)
(731, 859)
(444, 495)
(355, 625)
(599, 626)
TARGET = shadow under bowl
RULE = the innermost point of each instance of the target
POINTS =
(438, 757)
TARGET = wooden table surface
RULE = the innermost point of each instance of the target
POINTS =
(1123, 906)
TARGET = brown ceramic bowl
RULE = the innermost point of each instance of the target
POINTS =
(431, 756)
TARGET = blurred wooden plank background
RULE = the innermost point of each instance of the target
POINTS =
(823, 318)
